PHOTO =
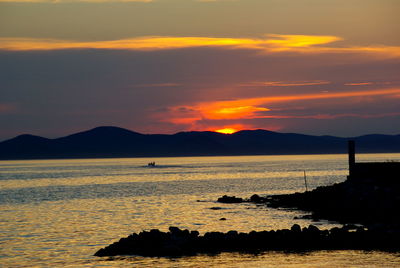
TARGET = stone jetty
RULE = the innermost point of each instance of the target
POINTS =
(179, 242)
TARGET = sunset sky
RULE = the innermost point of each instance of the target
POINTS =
(320, 67)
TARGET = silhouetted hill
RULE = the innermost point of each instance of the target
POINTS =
(119, 142)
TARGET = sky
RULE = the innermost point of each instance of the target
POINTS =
(318, 67)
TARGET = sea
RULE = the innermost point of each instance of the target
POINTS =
(58, 213)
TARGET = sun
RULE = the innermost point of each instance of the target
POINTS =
(228, 130)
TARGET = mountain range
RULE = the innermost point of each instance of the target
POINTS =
(104, 142)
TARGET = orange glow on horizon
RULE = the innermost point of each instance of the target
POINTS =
(228, 130)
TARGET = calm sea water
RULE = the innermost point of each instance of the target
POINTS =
(57, 213)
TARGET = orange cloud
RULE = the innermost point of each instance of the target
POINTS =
(359, 84)
(225, 112)
(251, 108)
(287, 83)
(283, 42)
(272, 43)
(330, 116)
(325, 95)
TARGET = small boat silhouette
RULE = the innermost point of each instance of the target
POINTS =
(151, 164)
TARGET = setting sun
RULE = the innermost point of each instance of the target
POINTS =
(227, 130)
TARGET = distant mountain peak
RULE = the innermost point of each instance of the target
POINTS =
(110, 129)
(103, 130)
(27, 137)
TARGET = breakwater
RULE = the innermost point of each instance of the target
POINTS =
(179, 242)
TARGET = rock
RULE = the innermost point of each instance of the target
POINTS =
(257, 199)
(230, 199)
(194, 233)
(174, 230)
(232, 233)
(296, 228)
(313, 229)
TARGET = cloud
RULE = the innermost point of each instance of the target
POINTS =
(330, 116)
(367, 83)
(283, 42)
(272, 43)
(149, 43)
(267, 100)
(253, 108)
(359, 84)
(287, 83)
(233, 112)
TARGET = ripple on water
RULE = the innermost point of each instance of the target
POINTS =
(59, 212)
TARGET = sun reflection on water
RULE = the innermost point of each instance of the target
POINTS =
(50, 219)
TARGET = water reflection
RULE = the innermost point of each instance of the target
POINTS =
(59, 212)
(330, 259)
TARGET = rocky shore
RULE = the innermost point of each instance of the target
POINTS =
(179, 242)
(373, 206)
(347, 202)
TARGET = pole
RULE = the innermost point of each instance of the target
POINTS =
(305, 180)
